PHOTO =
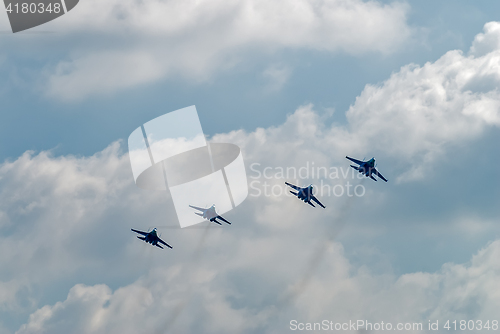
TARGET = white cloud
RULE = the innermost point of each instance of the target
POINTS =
(488, 41)
(51, 205)
(415, 116)
(456, 291)
(135, 42)
(420, 110)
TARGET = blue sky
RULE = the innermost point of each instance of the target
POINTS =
(413, 83)
(327, 79)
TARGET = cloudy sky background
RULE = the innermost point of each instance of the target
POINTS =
(412, 83)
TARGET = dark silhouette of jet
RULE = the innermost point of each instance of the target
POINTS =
(305, 194)
(367, 168)
(152, 238)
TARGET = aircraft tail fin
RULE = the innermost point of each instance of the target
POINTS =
(296, 194)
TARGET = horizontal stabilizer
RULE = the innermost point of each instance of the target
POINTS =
(355, 167)
(163, 242)
(374, 179)
(224, 220)
(159, 246)
(311, 204)
(317, 201)
(296, 194)
(215, 221)
(142, 238)
(199, 214)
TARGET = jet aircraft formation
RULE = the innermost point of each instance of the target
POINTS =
(209, 214)
(367, 168)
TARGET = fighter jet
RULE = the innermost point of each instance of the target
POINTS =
(367, 168)
(152, 238)
(210, 214)
(305, 194)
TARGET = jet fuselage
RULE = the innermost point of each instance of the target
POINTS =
(210, 213)
(305, 194)
(152, 237)
(366, 167)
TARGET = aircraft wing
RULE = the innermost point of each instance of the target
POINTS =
(316, 200)
(354, 160)
(223, 220)
(197, 208)
(163, 242)
(294, 187)
(376, 172)
(140, 232)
